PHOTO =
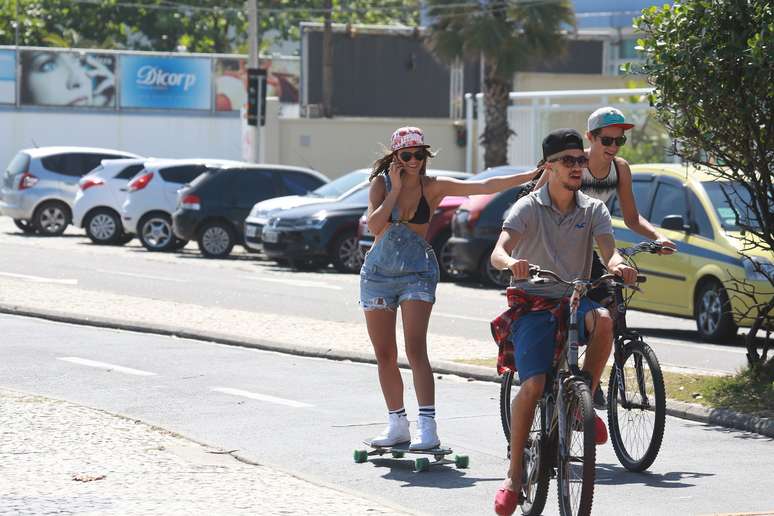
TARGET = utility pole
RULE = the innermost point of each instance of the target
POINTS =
(16, 28)
(252, 42)
(327, 58)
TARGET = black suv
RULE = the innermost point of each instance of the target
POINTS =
(212, 209)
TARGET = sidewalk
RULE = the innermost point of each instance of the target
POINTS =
(61, 458)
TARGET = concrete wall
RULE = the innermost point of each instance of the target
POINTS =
(332, 146)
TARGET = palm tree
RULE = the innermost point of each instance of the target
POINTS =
(504, 34)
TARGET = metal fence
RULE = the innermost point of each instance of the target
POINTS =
(532, 114)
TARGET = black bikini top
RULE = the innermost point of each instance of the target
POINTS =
(422, 215)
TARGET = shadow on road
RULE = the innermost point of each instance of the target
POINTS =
(443, 476)
(691, 336)
(613, 474)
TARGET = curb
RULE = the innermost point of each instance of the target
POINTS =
(718, 417)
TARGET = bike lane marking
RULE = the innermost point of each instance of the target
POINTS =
(106, 366)
(260, 397)
(40, 279)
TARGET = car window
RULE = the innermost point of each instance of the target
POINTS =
(252, 185)
(341, 184)
(357, 197)
(699, 216)
(670, 200)
(642, 187)
(129, 172)
(182, 174)
(298, 183)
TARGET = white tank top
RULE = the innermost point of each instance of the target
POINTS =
(601, 189)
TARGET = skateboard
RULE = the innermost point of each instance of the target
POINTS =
(420, 463)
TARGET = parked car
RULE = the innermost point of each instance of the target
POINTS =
(476, 226)
(261, 212)
(152, 197)
(691, 209)
(40, 184)
(97, 205)
(314, 236)
(213, 208)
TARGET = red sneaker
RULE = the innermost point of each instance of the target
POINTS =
(506, 501)
(600, 430)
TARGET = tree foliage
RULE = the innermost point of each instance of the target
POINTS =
(506, 35)
(161, 25)
(712, 65)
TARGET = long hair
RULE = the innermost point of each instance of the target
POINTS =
(382, 165)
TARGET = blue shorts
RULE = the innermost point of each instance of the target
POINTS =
(380, 290)
(534, 341)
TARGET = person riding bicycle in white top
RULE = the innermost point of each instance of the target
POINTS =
(555, 228)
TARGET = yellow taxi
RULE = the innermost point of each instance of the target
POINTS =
(691, 209)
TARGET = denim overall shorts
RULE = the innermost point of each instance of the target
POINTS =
(401, 266)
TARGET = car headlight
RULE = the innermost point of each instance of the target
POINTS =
(757, 268)
(316, 221)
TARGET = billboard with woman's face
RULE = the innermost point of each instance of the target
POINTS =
(166, 82)
(53, 78)
(7, 76)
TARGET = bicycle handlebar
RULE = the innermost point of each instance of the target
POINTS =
(649, 246)
(536, 271)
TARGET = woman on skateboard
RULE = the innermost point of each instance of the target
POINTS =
(401, 270)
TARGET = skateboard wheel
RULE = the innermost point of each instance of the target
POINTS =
(360, 456)
(461, 461)
(397, 454)
(422, 464)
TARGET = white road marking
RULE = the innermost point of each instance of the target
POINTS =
(463, 317)
(260, 397)
(297, 283)
(105, 365)
(40, 279)
(144, 276)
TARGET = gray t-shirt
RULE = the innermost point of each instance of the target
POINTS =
(562, 243)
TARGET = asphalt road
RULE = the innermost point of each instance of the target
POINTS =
(308, 415)
(246, 282)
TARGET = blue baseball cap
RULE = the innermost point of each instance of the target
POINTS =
(608, 117)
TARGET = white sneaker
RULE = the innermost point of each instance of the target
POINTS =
(428, 434)
(397, 432)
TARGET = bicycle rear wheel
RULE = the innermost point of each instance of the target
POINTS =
(636, 407)
(536, 464)
(577, 461)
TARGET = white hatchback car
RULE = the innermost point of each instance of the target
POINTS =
(152, 198)
(102, 192)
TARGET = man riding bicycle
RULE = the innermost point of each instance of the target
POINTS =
(554, 227)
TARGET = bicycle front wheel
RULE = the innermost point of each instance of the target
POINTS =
(636, 407)
(536, 464)
(577, 458)
(506, 390)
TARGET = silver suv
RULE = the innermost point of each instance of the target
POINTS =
(40, 184)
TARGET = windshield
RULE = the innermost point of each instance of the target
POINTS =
(730, 200)
(498, 171)
(341, 184)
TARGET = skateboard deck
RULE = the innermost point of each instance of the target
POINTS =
(420, 464)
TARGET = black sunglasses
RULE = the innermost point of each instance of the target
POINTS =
(607, 141)
(419, 155)
(569, 161)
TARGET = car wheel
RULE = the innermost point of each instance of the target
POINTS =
(25, 225)
(103, 227)
(51, 218)
(155, 232)
(346, 254)
(491, 276)
(443, 251)
(714, 319)
(216, 240)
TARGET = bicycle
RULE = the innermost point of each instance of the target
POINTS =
(636, 400)
(565, 411)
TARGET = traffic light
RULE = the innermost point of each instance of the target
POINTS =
(256, 96)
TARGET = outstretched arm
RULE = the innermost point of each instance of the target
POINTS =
(448, 186)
